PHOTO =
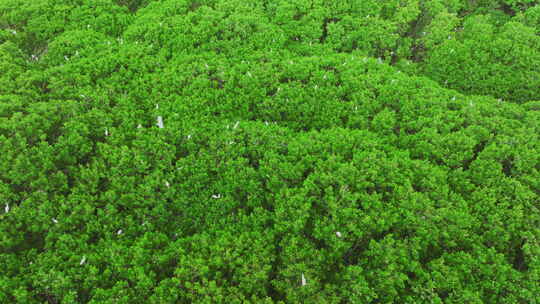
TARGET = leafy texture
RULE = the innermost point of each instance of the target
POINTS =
(227, 151)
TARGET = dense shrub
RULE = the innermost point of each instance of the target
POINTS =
(229, 151)
(484, 59)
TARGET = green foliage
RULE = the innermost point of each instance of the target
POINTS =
(484, 59)
(311, 151)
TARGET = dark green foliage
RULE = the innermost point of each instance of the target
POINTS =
(311, 151)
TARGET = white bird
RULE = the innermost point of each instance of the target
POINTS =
(303, 280)
(338, 234)
(324, 77)
(66, 58)
(216, 195)
(167, 184)
(236, 125)
(119, 232)
(157, 106)
(249, 74)
(266, 123)
(55, 221)
(189, 136)
(139, 126)
(106, 132)
(160, 122)
(453, 98)
(7, 208)
(14, 32)
(83, 260)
